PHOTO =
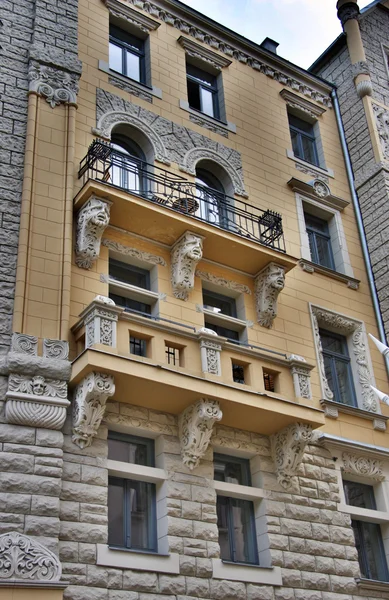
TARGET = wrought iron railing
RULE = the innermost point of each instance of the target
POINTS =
(106, 164)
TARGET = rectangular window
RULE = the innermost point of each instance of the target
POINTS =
(202, 91)
(122, 272)
(238, 373)
(303, 140)
(126, 54)
(224, 331)
(172, 355)
(138, 346)
(131, 504)
(269, 381)
(319, 241)
(235, 517)
(368, 538)
(218, 303)
(338, 367)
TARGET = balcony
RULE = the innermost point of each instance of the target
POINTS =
(173, 369)
(156, 203)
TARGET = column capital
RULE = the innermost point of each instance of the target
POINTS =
(347, 10)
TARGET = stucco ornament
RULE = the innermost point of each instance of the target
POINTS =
(302, 381)
(134, 252)
(92, 220)
(185, 255)
(382, 122)
(195, 427)
(363, 466)
(223, 282)
(100, 319)
(54, 84)
(89, 402)
(210, 356)
(287, 448)
(268, 284)
(24, 559)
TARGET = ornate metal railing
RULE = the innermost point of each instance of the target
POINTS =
(106, 164)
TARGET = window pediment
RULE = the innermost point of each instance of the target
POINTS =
(135, 19)
(203, 54)
(302, 106)
(318, 190)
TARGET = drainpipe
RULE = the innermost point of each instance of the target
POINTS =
(361, 230)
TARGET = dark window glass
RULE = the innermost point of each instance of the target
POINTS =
(337, 367)
(202, 91)
(368, 537)
(303, 140)
(126, 273)
(213, 205)
(131, 449)
(128, 169)
(269, 382)
(235, 517)
(131, 305)
(138, 346)
(228, 333)
(219, 303)
(319, 241)
(238, 373)
(126, 54)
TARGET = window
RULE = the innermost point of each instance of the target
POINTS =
(218, 303)
(212, 200)
(368, 538)
(303, 139)
(131, 504)
(126, 54)
(235, 517)
(121, 275)
(238, 373)
(129, 168)
(138, 346)
(172, 355)
(337, 367)
(269, 380)
(319, 241)
(202, 91)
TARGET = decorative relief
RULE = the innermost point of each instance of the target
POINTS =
(382, 122)
(268, 284)
(222, 282)
(25, 344)
(210, 356)
(55, 85)
(202, 53)
(134, 252)
(89, 402)
(321, 189)
(24, 559)
(195, 427)
(287, 447)
(311, 171)
(355, 331)
(92, 220)
(362, 466)
(100, 320)
(57, 349)
(130, 88)
(302, 382)
(37, 386)
(214, 127)
(135, 18)
(185, 255)
(302, 105)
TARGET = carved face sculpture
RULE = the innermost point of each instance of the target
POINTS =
(276, 277)
(38, 385)
(193, 249)
(99, 213)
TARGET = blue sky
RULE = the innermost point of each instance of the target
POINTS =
(303, 28)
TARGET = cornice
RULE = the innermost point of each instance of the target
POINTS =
(234, 46)
(319, 191)
(124, 11)
(195, 50)
(339, 443)
(301, 104)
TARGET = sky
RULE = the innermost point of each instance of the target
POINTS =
(303, 28)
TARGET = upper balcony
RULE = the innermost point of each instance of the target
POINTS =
(164, 205)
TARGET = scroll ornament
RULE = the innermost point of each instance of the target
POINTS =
(54, 84)
(195, 427)
(26, 560)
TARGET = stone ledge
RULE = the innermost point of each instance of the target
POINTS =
(332, 410)
(127, 559)
(373, 585)
(311, 267)
(17, 583)
(320, 171)
(247, 573)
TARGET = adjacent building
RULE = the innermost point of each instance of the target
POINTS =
(188, 406)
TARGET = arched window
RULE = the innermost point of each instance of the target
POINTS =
(212, 198)
(128, 164)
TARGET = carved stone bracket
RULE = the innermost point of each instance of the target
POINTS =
(185, 254)
(23, 559)
(195, 427)
(210, 352)
(287, 447)
(268, 284)
(100, 321)
(301, 374)
(54, 84)
(92, 221)
(363, 466)
(90, 398)
(37, 386)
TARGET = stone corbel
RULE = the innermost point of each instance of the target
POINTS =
(185, 254)
(195, 427)
(90, 398)
(25, 561)
(100, 320)
(210, 351)
(268, 284)
(92, 220)
(287, 447)
(301, 373)
(37, 386)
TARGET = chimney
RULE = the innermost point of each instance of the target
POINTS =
(270, 45)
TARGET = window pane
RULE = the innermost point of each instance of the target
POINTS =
(194, 95)
(207, 102)
(228, 333)
(133, 66)
(137, 346)
(368, 541)
(206, 78)
(359, 494)
(139, 506)
(333, 343)
(115, 58)
(309, 149)
(131, 304)
(297, 151)
(343, 379)
(243, 531)
(222, 509)
(324, 255)
(232, 470)
(219, 303)
(128, 451)
(129, 274)
(116, 532)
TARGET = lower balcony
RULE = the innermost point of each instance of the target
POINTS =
(167, 366)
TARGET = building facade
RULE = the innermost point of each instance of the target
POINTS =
(357, 62)
(189, 406)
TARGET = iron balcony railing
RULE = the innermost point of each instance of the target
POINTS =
(119, 169)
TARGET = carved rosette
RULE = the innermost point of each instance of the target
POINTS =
(54, 84)
(57, 349)
(25, 560)
(268, 284)
(287, 447)
(92, 220)
(89, 402)
(185, 255)
(195, 427)
(100, 320)
(363, 466)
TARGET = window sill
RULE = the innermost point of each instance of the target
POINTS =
(311, 267)
(364, 514)
(372, 584)
(246, 573)
(208, 122)
(312, 168)
(332, 410)
(234, 490)
(224, 320)
(137, 472)
(132, 291)
(123, 559)
(143, 91)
